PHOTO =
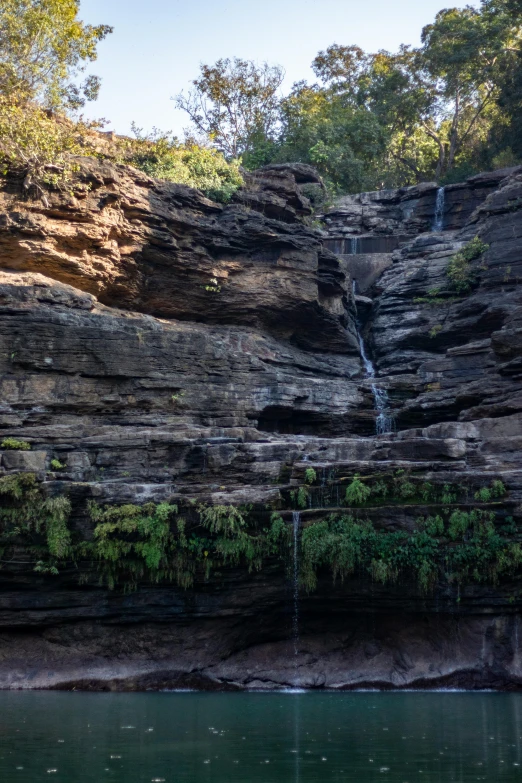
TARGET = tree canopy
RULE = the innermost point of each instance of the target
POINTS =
(443, 110)
(234, 103)
(43, 49)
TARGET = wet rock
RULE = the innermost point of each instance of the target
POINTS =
(166, 347)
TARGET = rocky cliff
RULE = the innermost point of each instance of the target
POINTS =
(159, 348)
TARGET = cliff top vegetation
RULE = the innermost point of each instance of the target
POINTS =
(444, 110)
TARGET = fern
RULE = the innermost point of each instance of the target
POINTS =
(357, 493)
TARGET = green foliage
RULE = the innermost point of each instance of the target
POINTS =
(357, 493)
(26, 512)
(310, 476)
(234, 104)
(44, 47)
(228, 521)
(152, 542)
(155, 543)
(403, 488)
(213, 286)
(36, 147)
(434, 331)
(57, 465)
(496, 490)
(56, 512)
(443, 111)
(340, 138)
(134, 542)
(15, 445)
(436, 301)
(162, 156)
(459, 270)
(299, 497)
(468, 547)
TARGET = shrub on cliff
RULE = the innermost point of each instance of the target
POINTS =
(459, 270)
(44, 47)
(15, 445)
(35, 146)
(162, 156)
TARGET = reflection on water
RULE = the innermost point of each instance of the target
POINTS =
(254, 737)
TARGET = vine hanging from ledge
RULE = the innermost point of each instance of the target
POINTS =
(156, 543)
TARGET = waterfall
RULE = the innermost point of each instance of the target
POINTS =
(438, 223)
(384, 422)
(296, 520)
(354, 245)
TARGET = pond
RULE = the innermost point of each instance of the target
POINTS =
(265, 737)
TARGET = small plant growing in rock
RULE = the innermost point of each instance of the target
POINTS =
(434, 331)
(496, 490)
(15, 445)
(459, 270)
(57, 465)
(310, 476)
(46, 568)
(213, 286)
(448, 494)
(299, 497)
(357, 492)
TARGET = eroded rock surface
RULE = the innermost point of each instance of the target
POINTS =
(162, 346)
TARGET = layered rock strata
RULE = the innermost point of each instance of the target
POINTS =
(160, 347)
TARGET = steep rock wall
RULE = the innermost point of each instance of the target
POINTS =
(164, 347)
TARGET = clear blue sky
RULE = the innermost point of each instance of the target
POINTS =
(157, 45)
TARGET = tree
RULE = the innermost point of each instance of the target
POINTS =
(505, 138)
(343, 141)
(389, 89)
(234, 104)
(43, 49)
(466, 51)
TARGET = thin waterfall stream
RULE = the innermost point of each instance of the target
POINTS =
(296, 521)
(440, 203)
(384, 422)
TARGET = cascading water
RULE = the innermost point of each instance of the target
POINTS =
(384, 422)
(438, 223)
(296, 521)
(354, 245)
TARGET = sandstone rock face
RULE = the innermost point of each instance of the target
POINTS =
(159, 345)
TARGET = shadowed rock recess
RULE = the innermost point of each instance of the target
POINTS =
(182, 389)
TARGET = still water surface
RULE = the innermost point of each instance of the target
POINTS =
(265, 738)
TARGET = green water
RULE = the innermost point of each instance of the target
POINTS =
(245, 738)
